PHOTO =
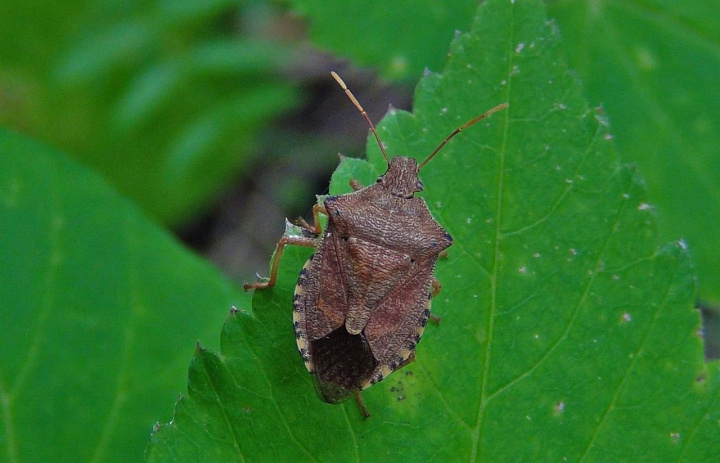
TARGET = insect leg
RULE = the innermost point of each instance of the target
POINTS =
(407, 361)
(315, 227)
(361, 404)
(355, 185)
(436, 287)
(294, 240)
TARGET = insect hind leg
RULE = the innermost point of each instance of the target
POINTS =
(361, 405)
(436, 287)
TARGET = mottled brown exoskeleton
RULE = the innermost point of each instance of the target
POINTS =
(363, 299)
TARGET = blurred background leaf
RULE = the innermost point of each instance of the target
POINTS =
(400, 38)
(100, 311)
(166, 99)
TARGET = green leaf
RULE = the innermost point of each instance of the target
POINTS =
(99, 312)
(567, 333)
(400, 38)
(654, 66)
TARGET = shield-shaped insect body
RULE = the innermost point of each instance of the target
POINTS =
(363, 299)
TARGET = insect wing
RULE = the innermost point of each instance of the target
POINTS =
(395, 327)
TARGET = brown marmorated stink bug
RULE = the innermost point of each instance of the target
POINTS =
(363, 299)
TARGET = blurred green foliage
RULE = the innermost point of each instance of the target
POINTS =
(400, 38)
(164, 98)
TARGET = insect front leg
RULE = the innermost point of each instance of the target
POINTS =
(315, 227)
(285, 240)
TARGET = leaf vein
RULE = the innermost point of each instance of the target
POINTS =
(476, 436)
(704, 417)
(53, 264)
(575, 314)
(441, 396)
(566, 191)
(274, 402)
(119, 396)
(630, 367)
(228, 421)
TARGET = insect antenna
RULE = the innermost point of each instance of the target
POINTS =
(362, 111)
(460, 129)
